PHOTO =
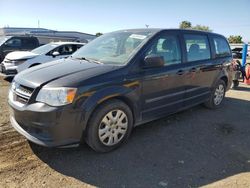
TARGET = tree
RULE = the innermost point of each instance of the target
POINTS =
(235, 39)
(98, 34)
(188, 25)
(201, 28)
(185, 25)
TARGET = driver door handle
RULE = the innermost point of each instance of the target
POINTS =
(180, 72)
(193, 69)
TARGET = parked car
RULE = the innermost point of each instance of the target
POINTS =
(118, 81)
(237, 53)
(18, 61)
(16, 43)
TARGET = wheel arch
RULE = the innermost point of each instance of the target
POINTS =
(125, 95)
(34, 64)
(225, 79)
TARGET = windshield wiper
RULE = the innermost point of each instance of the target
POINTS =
(89, 60)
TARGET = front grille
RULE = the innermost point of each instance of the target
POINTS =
(22, 93)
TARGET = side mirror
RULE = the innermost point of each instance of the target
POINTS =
(151, 61)
(54, 54)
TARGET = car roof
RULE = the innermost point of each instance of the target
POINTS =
(62, 43)
(20, 36)
(157, 30)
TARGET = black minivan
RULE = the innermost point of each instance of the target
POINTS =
(118, 81)
(16, 43)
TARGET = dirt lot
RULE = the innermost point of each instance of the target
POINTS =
(197, 147)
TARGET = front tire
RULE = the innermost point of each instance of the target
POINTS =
(217, 96)
(109, 126)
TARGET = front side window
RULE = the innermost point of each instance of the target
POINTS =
(114, 48)
(67, 49)
(221, 47)
(44, 49)
(168, 47)
(15, 42)
(197, 47)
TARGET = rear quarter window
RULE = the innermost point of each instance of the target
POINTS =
(222, 48)
(197, 47)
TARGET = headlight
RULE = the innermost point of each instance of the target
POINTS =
(15, 62)
(56, 96)
(19, 62)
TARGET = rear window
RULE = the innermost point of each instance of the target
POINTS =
(197, 47)
(221, 47)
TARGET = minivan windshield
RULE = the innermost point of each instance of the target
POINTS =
(44, 48)
(113, 48)
(3, 40)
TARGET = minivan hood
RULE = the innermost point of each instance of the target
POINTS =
(20, 55)
(47, 72)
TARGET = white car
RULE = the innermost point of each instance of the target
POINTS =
(18, 61)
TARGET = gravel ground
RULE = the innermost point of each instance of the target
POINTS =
(194, 148)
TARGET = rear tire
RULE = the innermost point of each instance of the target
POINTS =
(109, 126)
(217, 96)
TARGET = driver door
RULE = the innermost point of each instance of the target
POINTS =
(163, 87)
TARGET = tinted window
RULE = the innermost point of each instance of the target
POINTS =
(29, 43)
(221, 47)
(197, 47)
(14, 42)
(168, 47)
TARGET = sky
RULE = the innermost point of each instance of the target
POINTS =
(227, 17)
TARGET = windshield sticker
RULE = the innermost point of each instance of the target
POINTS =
(136, 36)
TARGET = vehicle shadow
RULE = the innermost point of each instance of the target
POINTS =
(240, 88)
(9, 78)
(193, 148)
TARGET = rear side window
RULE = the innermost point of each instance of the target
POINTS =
(29, 43)
(197, 47)
(221, 47)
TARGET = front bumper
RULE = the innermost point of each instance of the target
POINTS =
(7, 71)
(45, 125)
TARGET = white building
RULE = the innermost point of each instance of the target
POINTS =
(45, 35)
